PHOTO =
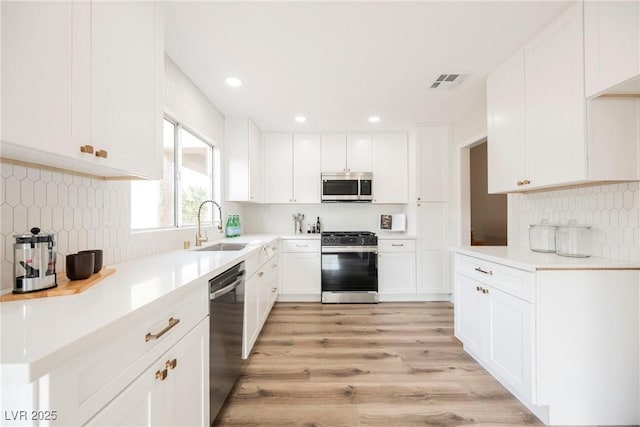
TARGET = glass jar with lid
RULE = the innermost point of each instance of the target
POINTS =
(574, 240)
(542, 237)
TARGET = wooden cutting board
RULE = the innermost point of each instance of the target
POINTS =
(65, 286)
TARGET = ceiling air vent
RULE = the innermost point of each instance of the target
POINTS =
(447, 81)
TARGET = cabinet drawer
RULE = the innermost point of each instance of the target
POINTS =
(302, 245)
(93, 378)
(396, 245)
(510, 280)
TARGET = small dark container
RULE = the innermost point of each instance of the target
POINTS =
(80, 266)
(97, 266)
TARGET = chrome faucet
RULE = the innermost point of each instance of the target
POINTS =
(199, 238)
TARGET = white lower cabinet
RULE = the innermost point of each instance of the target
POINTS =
(261, 290)
(563, 341)
(301, 263)
(432, 251)
(174, 390)
(396, 270)
(497, 328)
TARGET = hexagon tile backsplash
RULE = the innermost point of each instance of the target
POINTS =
(84, 212)
(612, 210)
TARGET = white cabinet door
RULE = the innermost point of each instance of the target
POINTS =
(251, 295)
(301, 273)
(306, 168)
(359, 154)
(433, 255)
(469, 315)
(46, 75)
(433, 164)
(555, 103)
(243, 158)
(255, 164)
(126, 85)
(278, 168)
(505, 126)
(334, 152)
(396, 273)
(173, 391)
(611, 44)
(390, 172)
(509, 339)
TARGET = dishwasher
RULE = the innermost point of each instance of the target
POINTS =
(226, 317)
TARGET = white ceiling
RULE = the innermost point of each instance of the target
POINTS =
(337, 63)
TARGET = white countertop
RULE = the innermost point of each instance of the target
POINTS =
(529, 260)
(35, 330)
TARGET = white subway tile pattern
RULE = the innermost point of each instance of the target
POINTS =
(612, 210)
(85, 213)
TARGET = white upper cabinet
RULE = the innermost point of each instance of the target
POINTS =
(346, 152)
(334, 152)
(46, 75)
(505, 125)
(243, 154)
(554, 103)
(359, 152)
(390, 174)
(127, 79)
(612, 45)
(81, 93)
(278, 167)
(306, 168)
(292, 168)
(433, 167)
(542, 131)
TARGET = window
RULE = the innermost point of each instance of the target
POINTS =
(191, 176)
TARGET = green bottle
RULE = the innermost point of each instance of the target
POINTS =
(238, 228)
(228, 229)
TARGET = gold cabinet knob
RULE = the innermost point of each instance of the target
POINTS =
(520, 183)
(161, 375)
(102, 153)
(526, 182)
(171, 364)
(86, 149)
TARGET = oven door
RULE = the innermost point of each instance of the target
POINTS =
(349, 269)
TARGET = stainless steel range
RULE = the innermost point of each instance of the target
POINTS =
(349, 267)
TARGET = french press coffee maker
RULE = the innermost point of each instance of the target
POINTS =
(34, 266)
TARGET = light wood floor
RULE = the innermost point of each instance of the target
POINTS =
(390, 364)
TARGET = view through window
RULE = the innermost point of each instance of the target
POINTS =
(190, 176)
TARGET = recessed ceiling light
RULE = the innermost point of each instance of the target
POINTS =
(301, 119)
(374, 119)
(233, 81)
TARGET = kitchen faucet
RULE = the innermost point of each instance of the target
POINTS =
(199, 238)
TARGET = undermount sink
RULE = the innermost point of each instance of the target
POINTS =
(224, 247)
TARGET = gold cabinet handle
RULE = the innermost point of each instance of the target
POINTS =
(479, 270)
(102, 153)
(86, 149)
(172, 322)
(273, 290)
(478, 288)
(397, 244)
(260, 274)
(171, 364)
(520, 183)
(161, 375)
(485, 291)
(526, 182)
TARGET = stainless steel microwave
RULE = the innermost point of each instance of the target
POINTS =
(347, 187)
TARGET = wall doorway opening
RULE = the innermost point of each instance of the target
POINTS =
(488, 211)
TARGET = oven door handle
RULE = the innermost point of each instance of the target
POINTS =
(349, 249)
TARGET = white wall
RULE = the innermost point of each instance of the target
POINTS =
(89, 212)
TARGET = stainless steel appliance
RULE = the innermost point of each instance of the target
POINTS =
(34, 265)
(226, 312)
(347, 187)
(349, 267)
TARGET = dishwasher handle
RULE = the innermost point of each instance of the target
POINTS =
(226, 289)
